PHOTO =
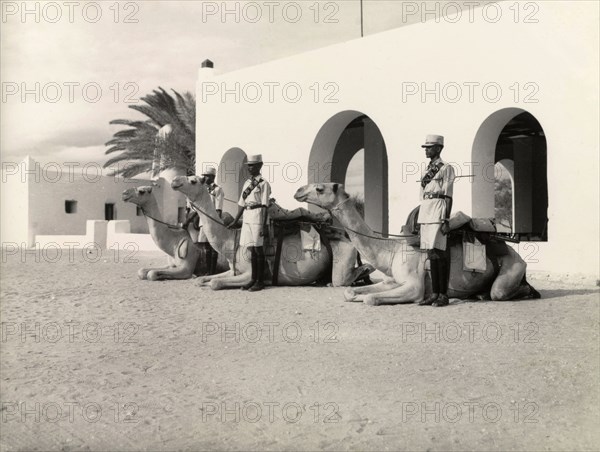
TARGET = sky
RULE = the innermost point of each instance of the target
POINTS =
(68, 68)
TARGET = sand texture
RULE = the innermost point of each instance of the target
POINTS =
(95, 359)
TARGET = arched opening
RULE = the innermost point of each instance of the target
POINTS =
(343, 137)
(504, 201)
(510, 156)
(231, 176)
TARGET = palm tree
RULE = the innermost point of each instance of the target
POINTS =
(143, 150)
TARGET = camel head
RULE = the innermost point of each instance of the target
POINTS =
(194, 187)
(139, 195)
(326, 196)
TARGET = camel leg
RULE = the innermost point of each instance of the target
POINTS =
(359, 293)
(406, 292)
(179, 272)
(231, 282)
(143, 272)
(507, 285)
(205, 280)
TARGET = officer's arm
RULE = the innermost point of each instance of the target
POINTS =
(237, 217)
(190, 217)
(448, 189)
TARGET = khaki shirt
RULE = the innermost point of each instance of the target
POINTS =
(259, 196)
(434, 210)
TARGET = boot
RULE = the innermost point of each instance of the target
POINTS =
(435, 283)
(254, 268)
(260, 270)
(214, 256)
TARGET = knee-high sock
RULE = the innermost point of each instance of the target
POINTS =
(443, 275)
(254, 262)
(435, 274)
(260, 263)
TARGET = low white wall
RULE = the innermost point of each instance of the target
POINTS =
(111, 235)
(95, 237)
(119, 236)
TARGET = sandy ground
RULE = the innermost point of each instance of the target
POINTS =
(94, 359)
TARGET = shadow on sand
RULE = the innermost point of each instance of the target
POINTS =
(557, 293)
(546, 294)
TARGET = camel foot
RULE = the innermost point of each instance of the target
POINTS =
(534, 294)
(152, 275)
(483, 297)
(371, 300)
(349, 295)
(215, 284)
(142, 273)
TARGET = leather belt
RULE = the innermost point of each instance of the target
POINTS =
(435, 196)
(256, 206)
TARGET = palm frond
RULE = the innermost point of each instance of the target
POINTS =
(139, 144)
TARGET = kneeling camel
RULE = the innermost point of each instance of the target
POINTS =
(297, 266)
(182, 254)
(404, 264)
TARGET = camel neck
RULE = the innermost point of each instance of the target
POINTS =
(157, 229)
(377, 252)
(217, 234)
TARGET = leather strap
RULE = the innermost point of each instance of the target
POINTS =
(251, 187)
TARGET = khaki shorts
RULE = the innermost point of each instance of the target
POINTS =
(251, 235)
(432, 237)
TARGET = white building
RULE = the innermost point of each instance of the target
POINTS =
(52, 203)
(512, 91)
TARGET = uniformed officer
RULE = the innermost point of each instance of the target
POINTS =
(436, 204)
(253, 204)
(216, 195)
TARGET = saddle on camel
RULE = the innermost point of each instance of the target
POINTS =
(477, 236)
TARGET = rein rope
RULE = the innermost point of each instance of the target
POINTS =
(337, 207)
(198, 209)
(170, 226)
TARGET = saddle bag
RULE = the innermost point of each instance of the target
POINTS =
(474, 254)
(482, 225)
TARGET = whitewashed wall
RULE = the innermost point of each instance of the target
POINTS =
(558, 55)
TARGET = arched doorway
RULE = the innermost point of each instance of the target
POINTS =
(231, 176)
(336, 144)
(510, 155)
